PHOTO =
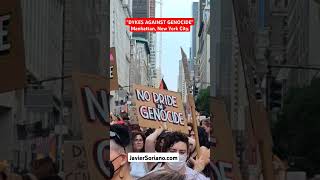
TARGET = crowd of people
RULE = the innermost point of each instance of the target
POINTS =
(126, 138)
(40, 169)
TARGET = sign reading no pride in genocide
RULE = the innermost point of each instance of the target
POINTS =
(155, 105)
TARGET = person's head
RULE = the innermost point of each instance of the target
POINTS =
(119, 140)
(134, 127)
(138, 141)
(191, 131)
(164, 175)
(3, 176)
(177, 142)
(160, 141)
(3, 169)
(206, 124)
(43, 167)
(203, 137)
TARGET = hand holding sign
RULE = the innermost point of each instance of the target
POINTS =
(203, 160)
(162, 125)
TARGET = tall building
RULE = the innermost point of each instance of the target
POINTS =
(203, 52)
(194, 46)
(120, 38)
(139, 68)
(143, 9)
(182, 88)
(302, 40)
(152, 43)
(159, 78)
(221, 43)
(195, 12)
(85, 40)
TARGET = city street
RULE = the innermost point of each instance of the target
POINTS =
(159, 89)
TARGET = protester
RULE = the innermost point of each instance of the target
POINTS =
(191, 131)
(138, 169)
(42, 169)
(3, 169)
(119, 165)
(134, 127)
(113, 118)
(155, 141)
(178, 142)
(120, 120)
(164, 175)
(204, 145)
(206, 124)
(3, 176)
(138, 141)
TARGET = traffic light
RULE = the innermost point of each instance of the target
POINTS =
(195, 91)
(275, 95)
(191, 89)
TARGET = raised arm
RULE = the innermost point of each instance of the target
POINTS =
(151, 140)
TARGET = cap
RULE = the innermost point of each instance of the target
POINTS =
(120, 134)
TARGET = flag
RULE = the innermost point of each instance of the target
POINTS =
(163, 85)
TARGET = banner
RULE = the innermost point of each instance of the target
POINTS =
(12, 59)
(75, 161)
(224, 155)
(92, 102)
(113, 70)
(153, 105)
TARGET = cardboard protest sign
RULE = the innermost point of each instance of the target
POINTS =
(153, 105)
(224, 155)
(92, 102)
(263, 133)
(114, 85)
(194, 123)
(12, 59)
(75, 161)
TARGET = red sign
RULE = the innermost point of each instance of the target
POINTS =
(159, 24)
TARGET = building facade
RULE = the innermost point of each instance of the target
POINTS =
(28, 116)
(120, 38)
(140, 62)
(182, 88)
(302, 40)
(203, 51)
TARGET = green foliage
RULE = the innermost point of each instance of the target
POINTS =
(202, 102)
(297, 131)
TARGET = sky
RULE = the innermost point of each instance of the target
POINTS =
(172, 41)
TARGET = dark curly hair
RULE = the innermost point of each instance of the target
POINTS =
(173, 138)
